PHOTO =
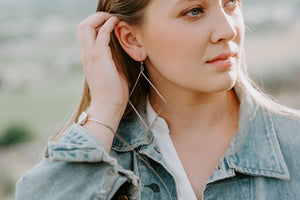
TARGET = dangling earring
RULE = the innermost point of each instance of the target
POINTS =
(141, 73)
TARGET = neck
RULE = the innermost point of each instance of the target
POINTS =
(198, 111)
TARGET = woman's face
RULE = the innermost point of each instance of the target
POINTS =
(193, 44)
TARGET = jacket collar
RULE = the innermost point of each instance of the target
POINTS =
(133, 133)
(254, 149)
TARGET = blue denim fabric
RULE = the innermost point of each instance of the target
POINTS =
(262, 163)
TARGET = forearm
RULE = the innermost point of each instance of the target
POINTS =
(110, 117)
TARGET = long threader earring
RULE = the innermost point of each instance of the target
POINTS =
(141, 73)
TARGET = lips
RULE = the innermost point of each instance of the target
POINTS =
(224, 60)
(223, 56)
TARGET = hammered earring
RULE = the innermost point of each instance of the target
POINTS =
(142, 74)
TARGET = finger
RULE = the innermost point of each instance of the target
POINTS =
(87, 29)
(104, 32)
(97, 19)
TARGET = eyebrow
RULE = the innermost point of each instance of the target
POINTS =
(183, 1)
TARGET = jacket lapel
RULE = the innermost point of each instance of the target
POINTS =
(255, 149)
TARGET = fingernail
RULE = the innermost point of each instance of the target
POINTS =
(115, 18)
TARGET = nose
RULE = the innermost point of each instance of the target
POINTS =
(224, 27)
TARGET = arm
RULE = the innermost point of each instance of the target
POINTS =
(77, 167)
(108, 88)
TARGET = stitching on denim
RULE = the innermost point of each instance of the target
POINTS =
(124, 148)
(274, 141)
(107, 193)
(244, 168)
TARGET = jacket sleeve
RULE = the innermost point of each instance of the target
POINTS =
(77, 167)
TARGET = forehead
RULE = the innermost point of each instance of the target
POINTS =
(169, 4)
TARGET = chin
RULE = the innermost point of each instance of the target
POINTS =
(228, 87)
(224, 83)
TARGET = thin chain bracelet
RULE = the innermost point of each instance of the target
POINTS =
(83, 118)
(101, 123)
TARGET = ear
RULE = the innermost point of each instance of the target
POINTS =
(129, 40)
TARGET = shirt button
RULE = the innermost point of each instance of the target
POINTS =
(123, 197)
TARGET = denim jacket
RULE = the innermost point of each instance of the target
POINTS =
(262, 163)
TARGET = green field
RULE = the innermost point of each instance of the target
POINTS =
(42, 107)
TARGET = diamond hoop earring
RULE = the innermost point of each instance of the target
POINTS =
(141, 74)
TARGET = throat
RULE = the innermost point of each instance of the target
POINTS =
(215, 110)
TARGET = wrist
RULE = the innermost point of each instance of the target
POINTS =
(110, 115)
(109, 105)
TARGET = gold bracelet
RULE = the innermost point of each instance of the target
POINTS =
(101, 123)
(83, 118)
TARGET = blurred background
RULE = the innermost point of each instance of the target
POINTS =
(41, 76)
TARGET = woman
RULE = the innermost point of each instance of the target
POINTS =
(217, 137)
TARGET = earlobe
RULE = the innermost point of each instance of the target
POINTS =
(127, 38)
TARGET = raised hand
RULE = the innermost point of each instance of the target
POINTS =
(109, 89)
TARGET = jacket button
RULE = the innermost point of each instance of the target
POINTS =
(123, 197)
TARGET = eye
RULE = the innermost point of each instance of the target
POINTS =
(230, 3)
(194, 12)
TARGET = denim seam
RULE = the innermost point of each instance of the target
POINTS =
(98, 196)
(75, 128)
(273, 143)
(268, 170)
(125, 148)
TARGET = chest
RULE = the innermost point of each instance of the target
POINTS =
(200, 159)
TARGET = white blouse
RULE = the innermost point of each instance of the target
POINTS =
(160, 131)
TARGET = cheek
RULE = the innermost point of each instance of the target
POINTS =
(240, 25)
(172, 45)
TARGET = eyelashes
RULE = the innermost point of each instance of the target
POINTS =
(194, 12)
(199, 10)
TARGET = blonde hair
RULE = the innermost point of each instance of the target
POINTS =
(131, 11)
(259, 96)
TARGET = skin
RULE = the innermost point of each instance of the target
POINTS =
(175, 42)
(182, 43)
(109, 89)
(201, 109)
